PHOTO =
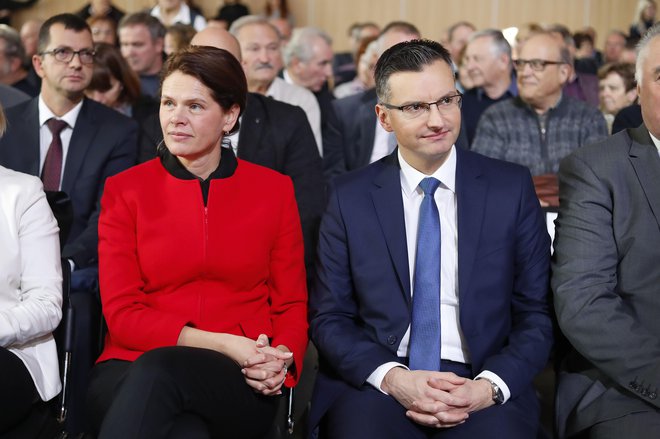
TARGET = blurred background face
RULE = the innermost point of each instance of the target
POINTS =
(614, 45)
(104, 32)
(481, 61)
(260, 50)
(613, 95)
(366, 67)
(314, 72)
(139, 49)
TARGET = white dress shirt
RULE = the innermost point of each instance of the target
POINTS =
(30, 279)
(45, 136)
(453, 346)
(293, 94)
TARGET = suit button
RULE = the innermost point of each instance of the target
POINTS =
(391, 340)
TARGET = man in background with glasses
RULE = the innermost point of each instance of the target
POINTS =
(541, 126)
(430, 310)
(73, 144)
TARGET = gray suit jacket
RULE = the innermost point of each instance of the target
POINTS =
(606, 280)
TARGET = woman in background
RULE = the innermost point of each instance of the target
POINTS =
(113, 82)
(201, 271)
(30, 296)
(617, 89)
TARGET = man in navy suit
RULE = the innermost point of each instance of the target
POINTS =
(439, 336)
(94, 143)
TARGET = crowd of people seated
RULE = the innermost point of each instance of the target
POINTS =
(240, 196)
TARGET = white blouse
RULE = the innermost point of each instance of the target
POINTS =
(30, 278)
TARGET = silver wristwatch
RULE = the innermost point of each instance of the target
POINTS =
(498, 396)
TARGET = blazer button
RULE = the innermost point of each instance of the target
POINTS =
(391, 340)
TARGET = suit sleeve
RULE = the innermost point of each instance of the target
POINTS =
(288, 299)
(334, 310)
(40, 308)
(530, 337)
(591, 312)
(83, 250)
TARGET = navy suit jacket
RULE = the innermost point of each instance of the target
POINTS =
(360, 307)
(103, 143)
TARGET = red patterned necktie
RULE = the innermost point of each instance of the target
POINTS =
(52, 170)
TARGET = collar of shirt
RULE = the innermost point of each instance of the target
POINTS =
(70, 118)
(411, 177)
(656, 141)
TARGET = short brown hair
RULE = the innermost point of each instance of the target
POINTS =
(217, 69)
(625, 70)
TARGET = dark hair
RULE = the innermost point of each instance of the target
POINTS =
(581, 37)
(409, 56)
(69, 21)
(155, 27)
(108, 64)
(625, 70)
(217, 69)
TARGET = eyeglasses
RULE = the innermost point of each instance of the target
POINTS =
(65, 54)
(445, 105)
(538, 65)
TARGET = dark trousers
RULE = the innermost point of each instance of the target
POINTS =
(367, 413)
(17, 390)
(176, 392)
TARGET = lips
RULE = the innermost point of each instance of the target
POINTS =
(177, 135)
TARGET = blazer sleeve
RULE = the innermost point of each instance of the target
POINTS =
(131, 321)
(288, 297)
(591, 312)
(39, 310)
(84, 249)
(530, 337)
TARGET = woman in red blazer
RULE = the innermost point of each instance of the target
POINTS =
(202, 274)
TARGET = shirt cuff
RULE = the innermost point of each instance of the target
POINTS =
(376, 377)
(497, 380)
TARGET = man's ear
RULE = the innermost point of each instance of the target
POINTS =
(36, 63)
(383, 118)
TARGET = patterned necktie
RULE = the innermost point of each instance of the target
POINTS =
(52, 170)
(425, 326)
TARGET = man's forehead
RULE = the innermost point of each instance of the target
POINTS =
(58, 34)
(432, 82)
(540, 46)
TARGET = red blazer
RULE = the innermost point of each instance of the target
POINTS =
(234, 266)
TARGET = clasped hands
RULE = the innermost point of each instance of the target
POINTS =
(265, 367)
(437, 399)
